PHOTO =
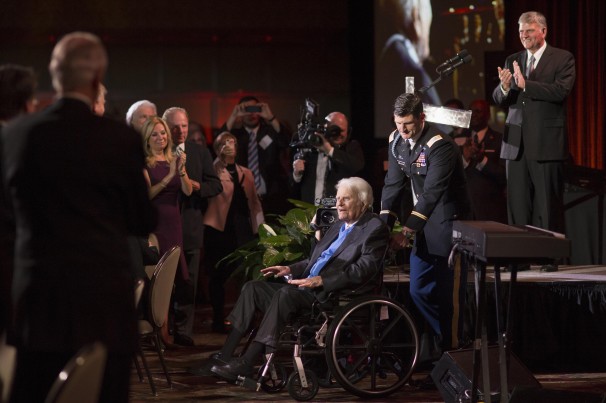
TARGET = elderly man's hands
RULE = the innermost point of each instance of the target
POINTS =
(311, 282)
(276, 271)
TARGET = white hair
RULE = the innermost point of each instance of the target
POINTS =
(133, 108)
(360, 187)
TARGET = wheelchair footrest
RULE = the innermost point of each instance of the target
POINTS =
(248, 383)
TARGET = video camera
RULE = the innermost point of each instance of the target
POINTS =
(308, 130)
(327, 214)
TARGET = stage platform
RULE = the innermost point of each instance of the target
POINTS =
(559, 318)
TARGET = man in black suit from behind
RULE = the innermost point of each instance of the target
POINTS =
(535, 144)
(205, 183)
(484, 169)
(77, 190)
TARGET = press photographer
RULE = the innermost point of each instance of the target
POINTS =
(325, 154)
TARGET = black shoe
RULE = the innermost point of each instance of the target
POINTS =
(231, 370)
(549, 267)
(204, 368)
(183, 340)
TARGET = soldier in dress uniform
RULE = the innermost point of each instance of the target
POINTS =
(428, 162)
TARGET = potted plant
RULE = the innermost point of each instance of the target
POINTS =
(285, 241)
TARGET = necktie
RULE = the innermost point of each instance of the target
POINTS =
(327, 254)
(253, 158)
(476, 139)
(408, 146)
(530, 66)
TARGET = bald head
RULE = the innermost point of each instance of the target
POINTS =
(78, 64)
(339, 119)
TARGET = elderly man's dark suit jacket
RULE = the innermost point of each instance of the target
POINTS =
(356, 264)
(537, 115)
(199, 166)
(76, 186)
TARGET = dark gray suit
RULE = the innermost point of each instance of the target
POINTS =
(355, 265)
(199, 167)
(76, 185)
(535, 142)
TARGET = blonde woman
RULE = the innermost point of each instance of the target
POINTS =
(166, 180)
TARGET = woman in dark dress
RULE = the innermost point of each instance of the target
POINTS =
(166, 180)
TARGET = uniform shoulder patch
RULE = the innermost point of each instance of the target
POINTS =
(434, 139)
(391, 136)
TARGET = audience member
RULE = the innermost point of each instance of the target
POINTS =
(76, 186)
(232, 219)
(431, 162)
(484, 170)
(139, 112)
(196, 133)
(316, 173)
(167, 179)
(205, 184)
(348, 257)
(253, 122)
(17, 97)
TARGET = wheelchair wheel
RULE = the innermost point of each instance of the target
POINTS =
(372, 346)
(275, 380)
(297, 391)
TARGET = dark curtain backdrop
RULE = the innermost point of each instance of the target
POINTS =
(578, 26)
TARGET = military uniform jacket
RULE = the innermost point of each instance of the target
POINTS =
(435, 169)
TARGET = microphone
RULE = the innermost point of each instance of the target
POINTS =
(463, 57)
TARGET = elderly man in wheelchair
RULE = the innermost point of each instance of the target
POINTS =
(370, 345)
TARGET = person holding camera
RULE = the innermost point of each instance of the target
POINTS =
(262, 142)
(231, 220)
(334, 158)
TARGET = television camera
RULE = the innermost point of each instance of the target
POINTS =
(311, 129)
(326, 215)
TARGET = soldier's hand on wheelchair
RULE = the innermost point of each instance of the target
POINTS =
(276, 271)
(310, 282)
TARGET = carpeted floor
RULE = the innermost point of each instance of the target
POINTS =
(190, 388)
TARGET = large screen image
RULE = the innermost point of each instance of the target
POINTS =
(414, 37)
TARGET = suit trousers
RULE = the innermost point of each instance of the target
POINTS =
(184, 307)
(535, 193)
(278, 301)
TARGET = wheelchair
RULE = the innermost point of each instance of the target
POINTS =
(368, 345)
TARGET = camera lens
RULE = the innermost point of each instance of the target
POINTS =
(315, 140)
(327, 217)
